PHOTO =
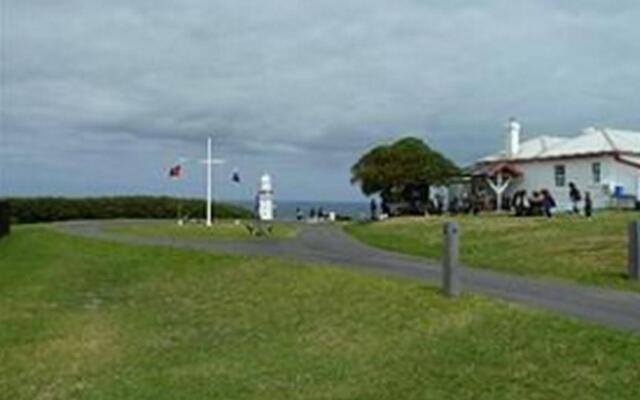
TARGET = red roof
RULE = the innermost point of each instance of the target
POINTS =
(501, 167)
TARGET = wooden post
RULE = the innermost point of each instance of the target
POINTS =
(450, 278)
(634, 250)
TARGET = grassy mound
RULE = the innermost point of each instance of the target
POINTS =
(84, 319)
(590, 251)
(220, 230)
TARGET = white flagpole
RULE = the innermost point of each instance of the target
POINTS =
(209, 184)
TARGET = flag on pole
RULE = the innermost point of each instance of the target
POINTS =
(175, 171)
(235, 176)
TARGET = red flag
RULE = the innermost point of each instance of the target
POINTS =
(175, 171)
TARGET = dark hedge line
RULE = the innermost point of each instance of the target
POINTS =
(5, 220)
(47, 209)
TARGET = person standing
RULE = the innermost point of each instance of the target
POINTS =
(454, 205)
(575, 197)
(384, 208)
(516, 203)
(521, 203)
(439, 200)
(588, 205)
(475, 203)
(374, 209)
(299, 214)
(536, 204)
(548, 203)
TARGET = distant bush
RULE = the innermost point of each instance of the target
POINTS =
(5, 220)
(48, 209)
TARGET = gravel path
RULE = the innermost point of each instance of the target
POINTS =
(329, 244)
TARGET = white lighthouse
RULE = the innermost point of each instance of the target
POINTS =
(513, 138)
(265, 199)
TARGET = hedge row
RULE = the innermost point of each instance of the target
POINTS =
(5, 221)
(47, 209)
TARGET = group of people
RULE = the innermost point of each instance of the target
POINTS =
(314, 214)
(537, 203)
(576, 199)
(465, 204)
(542, 203)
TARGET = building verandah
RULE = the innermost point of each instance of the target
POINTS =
(494, 181)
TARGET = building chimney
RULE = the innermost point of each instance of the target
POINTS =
(513, 138)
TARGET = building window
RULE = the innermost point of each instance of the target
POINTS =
(596, 172)
(560, 175)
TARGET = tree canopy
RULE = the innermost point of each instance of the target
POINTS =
(402, 170)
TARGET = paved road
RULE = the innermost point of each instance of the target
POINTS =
(329, 244)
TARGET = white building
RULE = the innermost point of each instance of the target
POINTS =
(265, 199)
(604, 162)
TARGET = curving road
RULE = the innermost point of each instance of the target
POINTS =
(329, 244)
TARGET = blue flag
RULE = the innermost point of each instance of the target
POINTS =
(235, 177)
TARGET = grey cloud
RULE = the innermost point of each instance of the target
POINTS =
(301, 87)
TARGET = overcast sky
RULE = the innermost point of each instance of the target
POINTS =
(101, 97)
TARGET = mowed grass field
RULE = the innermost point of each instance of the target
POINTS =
(592, 251)
(225, 229)
(83, 319)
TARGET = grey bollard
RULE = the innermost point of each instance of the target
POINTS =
(634, 250)
(450, 278)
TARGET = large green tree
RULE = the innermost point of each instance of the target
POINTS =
(402, 171)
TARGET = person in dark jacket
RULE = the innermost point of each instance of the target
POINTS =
(548, 202)
(475, 203)
(536, 204)
(454, 205)
(384, 207)
(575, 197)
(374, 209)
(588, 205)
(520, 203)
(439, 203)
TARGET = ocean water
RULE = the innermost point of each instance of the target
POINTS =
(286, 210)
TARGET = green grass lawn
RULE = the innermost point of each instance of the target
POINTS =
(220, 230)
(588, 251)
(83, 319)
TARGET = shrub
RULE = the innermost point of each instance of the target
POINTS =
(48, 209)
(5, 218)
